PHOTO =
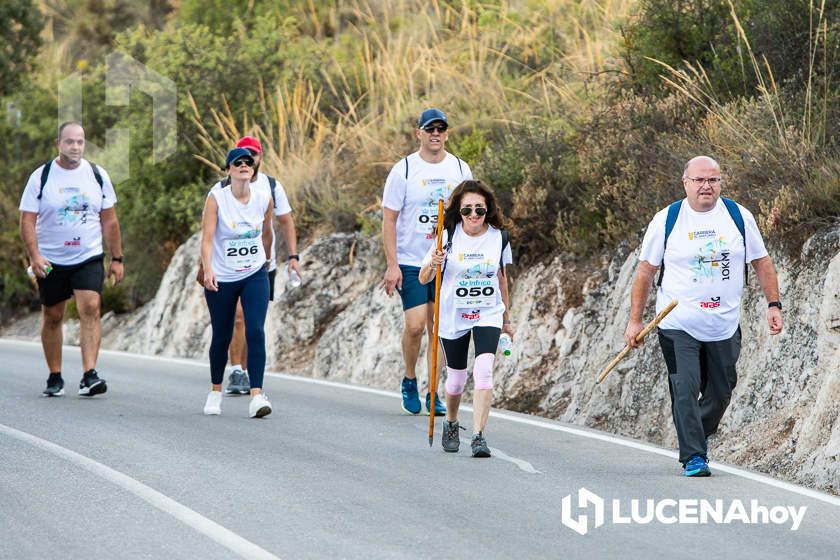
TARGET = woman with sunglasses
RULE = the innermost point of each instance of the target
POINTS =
(473, 302)
(235, 239)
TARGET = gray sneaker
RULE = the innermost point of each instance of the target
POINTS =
(246, 384)
(235, 385)
(479, 446)
(449, 439)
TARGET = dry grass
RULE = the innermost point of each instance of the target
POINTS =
(488, 65)
(761, 133)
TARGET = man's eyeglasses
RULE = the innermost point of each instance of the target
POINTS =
(441, 128)
(241, 162)
(698, 181)
(479, 211)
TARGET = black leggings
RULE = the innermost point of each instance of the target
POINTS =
(486, 340)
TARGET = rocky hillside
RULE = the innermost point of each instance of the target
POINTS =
(783, 419)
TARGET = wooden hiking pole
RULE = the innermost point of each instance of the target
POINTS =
(639, 337)
(433, 373)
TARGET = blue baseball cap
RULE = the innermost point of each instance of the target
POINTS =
(236, 154)
(429, 116)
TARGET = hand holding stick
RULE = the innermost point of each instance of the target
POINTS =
(639, 337)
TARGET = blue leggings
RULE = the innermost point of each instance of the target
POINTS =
(253, 291)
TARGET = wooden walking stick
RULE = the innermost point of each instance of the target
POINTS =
(639, 337)
(433, 373)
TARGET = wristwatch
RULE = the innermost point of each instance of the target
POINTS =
(117, 259)
(774, 304)
(296, 257)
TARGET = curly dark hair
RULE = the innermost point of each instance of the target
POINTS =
(452, 215)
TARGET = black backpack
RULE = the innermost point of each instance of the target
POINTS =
(45, 173)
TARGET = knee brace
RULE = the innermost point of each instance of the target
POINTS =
(455, 381)
(483, 371)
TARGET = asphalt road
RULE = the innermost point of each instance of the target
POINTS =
(341, 472)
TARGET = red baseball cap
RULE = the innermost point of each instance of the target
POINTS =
(250, 143)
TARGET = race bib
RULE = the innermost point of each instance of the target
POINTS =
(427, 219)
(242, 254)
(475, 293)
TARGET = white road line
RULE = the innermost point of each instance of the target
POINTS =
(521, 419)
(523, 465)
(211, 529)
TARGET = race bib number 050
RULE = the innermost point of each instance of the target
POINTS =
(475, 293)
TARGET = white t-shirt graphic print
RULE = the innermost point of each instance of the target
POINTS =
(238, 249)
(416, 199)
(469, 293)
(704, 268)
(69, 230)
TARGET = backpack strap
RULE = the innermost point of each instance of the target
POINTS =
(406, 168)
(450, 232)
(98, 176)
(272, 183)
(670, 221)
(505, 243)
(45, 173)
(460, 169)
(738, 218)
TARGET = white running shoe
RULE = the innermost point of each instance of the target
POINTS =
(213, 404)
(259, 406)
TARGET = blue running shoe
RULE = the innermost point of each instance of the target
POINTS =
(697, 466)
(410, 396)
(440, 410)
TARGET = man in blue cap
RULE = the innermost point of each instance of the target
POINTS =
(409, 218)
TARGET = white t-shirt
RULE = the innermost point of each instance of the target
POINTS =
(68, 228)
(416, 199)
(704, 268)
(237, 246)
(281, 207)
(469, 292)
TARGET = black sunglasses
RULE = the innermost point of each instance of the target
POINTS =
(242, 161)
(479, 211)
(441, 128)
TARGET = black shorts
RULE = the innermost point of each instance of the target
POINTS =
(485, 341)
(59, 284)
(272, 274)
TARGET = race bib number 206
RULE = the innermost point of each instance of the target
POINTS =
(241, 254)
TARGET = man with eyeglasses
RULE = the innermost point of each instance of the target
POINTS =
(409, 218)
(702, 244)
(66, 210)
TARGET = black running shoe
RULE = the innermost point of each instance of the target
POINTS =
(479, 446)
(450, 439)
(91, 384)
(55, 386)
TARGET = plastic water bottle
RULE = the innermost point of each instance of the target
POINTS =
(505, 344)
(31, 273)
(294, 277)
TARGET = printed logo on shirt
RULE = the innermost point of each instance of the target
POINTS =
(75, 242)
(701, 234)
(712, 262)
(470, 257)
(69, 190)
(473, 315)
(75, 210)
(713, 303)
